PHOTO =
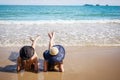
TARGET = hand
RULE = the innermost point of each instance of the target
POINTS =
(36, 38)
(51, 35)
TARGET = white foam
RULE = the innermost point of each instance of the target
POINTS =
(68, 32)
(57, 21)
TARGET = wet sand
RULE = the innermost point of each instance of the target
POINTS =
(81, 63)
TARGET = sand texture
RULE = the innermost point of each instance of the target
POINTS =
(80, 63)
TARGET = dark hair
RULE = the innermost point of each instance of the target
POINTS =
(26, 52)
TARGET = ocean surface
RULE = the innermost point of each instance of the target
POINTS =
(74, 25)
(31, 12)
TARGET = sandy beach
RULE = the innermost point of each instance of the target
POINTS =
(89, 33)
(81, 63)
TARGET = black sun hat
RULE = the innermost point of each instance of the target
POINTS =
(26, 52)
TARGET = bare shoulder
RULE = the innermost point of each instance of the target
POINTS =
(18, 59)
(35, 59)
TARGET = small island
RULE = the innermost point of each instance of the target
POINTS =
(88, 5)
(106, 5)
(97, 5)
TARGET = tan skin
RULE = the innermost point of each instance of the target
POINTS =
(51, 43)
(26, 64)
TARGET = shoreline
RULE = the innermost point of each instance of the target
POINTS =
(59, 21)
(82, 45)
(96, 33)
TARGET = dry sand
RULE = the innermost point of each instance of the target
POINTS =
(81, 63)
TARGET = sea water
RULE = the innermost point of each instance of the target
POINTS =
(31, 12)
(74, 25)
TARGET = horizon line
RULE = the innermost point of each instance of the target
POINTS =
(63, 4)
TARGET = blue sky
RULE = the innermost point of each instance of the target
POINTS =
(60, 2)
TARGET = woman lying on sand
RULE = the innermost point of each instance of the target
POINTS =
(28, 59)
(53, 57)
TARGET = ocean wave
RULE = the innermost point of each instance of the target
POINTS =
(68, 32)
(57, 21)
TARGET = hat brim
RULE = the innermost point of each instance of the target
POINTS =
(56, 58)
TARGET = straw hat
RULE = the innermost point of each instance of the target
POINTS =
(54, 51)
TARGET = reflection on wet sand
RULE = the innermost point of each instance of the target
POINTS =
(27, 76)
(41, 76)
(53, 76)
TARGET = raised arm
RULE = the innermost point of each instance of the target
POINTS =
(51, 36)
(34, 41)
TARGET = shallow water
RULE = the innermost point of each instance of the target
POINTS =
(68, 33)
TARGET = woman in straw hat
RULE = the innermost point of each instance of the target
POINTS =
(53, 57)
(28, 60)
